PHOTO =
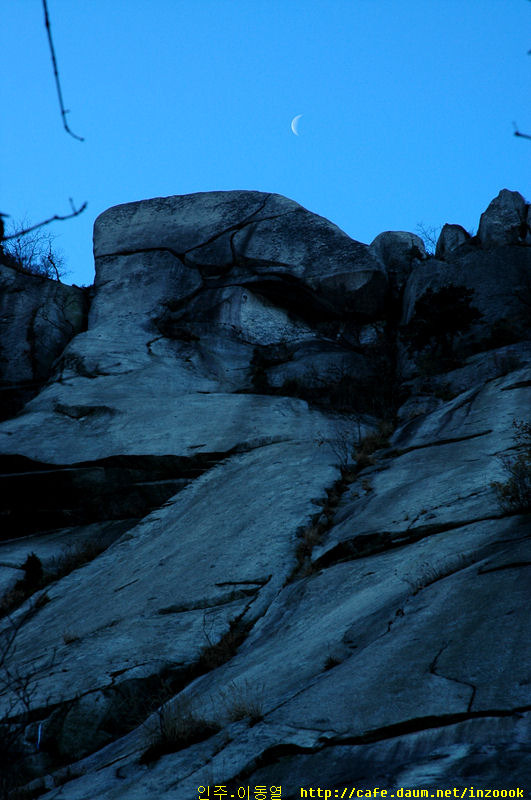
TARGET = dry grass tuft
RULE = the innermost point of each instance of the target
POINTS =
(69, 637)
(514, 495)
(243, 701)
(176, 727)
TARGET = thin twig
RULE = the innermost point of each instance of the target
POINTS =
(75, 213)
(64, 111)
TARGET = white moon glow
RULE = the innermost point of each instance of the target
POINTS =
(294, 124)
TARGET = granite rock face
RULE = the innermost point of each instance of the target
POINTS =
(398, 251)
(272, 548)
(500, 282)
(251, 238)
(450, 239)
(38, 317)
(505, 221)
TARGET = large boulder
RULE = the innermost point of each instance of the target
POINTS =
(38, 317)
(501, 282)
(249, 237)
(451, 238)
(398, 251)
(504, 221)
(187, 290)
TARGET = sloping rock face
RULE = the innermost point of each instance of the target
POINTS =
(38, 317)
(265, 552)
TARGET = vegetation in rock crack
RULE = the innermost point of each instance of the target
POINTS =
(218, 652)
(373, 442)
(176, 727)
(331, 662)
(439, 317)
(354, 453)
(242, 700)
(514, 495)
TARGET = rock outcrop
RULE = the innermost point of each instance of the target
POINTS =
(505, 221)
(38, 317)
(398, 251)
(277, 544)
(450, 239)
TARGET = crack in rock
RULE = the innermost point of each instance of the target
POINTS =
(511, 565)
(379, 541)
(433, 671)
(441, 442)
(210, 602)
(429, 722)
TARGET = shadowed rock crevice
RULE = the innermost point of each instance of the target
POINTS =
(424, 724)
(118, 487)
(378, 542)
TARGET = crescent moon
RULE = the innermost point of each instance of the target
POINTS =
(294, 123)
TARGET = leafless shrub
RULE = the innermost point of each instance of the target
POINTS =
(344, 445)
(34, 253)
(429, 235)
(18, 687)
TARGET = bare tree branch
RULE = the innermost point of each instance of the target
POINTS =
(74, 213)
(64, 111)
(517, 132)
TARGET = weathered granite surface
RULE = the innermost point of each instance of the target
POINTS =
(38, 317)
(341, 610)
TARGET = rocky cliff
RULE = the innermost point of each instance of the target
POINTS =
(260, 525)
(38, 317)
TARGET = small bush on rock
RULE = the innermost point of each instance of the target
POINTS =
(32, 579)
(514, 496)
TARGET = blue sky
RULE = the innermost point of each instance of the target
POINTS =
(407, 108)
